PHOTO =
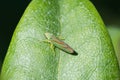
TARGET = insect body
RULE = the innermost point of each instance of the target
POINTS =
(59, 43)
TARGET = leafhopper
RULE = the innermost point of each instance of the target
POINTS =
(56, 42)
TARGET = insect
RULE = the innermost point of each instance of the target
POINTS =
(56, 42)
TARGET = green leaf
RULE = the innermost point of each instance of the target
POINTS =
(115, 36)
(28, 58)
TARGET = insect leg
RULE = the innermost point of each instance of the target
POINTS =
(47, 41)
(52, 47)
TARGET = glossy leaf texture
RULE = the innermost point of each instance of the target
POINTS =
(28, 58)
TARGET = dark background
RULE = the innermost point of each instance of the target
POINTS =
(12, 10)
(10, 14)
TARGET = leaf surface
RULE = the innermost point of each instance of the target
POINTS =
(28, 58)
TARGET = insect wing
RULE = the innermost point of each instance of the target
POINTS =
(62, 45)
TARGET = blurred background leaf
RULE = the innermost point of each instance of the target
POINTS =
(114, 32)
